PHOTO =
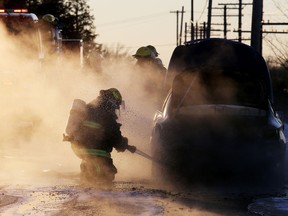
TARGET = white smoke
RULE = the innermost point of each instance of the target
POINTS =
(35, 105)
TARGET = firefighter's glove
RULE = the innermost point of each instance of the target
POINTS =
(131, 148)
(121, 147)
(67, 138)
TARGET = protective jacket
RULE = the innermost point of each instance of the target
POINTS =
(100, 129)
(93, 131)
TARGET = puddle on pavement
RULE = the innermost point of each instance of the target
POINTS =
(35, 201)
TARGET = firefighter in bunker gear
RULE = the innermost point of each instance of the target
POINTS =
(96, 136)
(148, 55)
(157, 59)
(152, 72)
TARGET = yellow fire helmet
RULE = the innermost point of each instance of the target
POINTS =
(153, 49)
(113, 96)
(143, 52)
(116, 94)
(48, 18)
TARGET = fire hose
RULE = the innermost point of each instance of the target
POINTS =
(130, 148)
(144, 154)
(133, 149)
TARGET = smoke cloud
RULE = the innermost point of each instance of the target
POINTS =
(35, 105)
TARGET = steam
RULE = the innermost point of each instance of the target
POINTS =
(35, 105)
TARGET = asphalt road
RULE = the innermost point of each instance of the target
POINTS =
(124, 198)
(25, 189)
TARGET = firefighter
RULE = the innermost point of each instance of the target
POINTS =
(153, 72)
(97, 135)
(147, 57)
(50, 28)
(156, 54)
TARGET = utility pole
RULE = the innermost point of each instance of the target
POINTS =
(181, 26)
(257, 23)
(185, 38)
(256, 29)
(240, 15)
(204, 31)
(240, 22)
(196, 32)
(225, 15)
(192, 20)
(177, 25)
(225, 22)
(178, 42)
(209, 19)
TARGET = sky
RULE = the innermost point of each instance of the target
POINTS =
(132, 23)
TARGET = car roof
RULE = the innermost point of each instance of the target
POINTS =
(221, 53)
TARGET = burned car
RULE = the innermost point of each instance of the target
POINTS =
(217, 123)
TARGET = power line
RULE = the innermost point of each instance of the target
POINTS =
(279, 8)
(204, 8)
(132, 19)
(134, 47)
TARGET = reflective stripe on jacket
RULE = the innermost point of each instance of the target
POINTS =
(94, 152)
(92, 124)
